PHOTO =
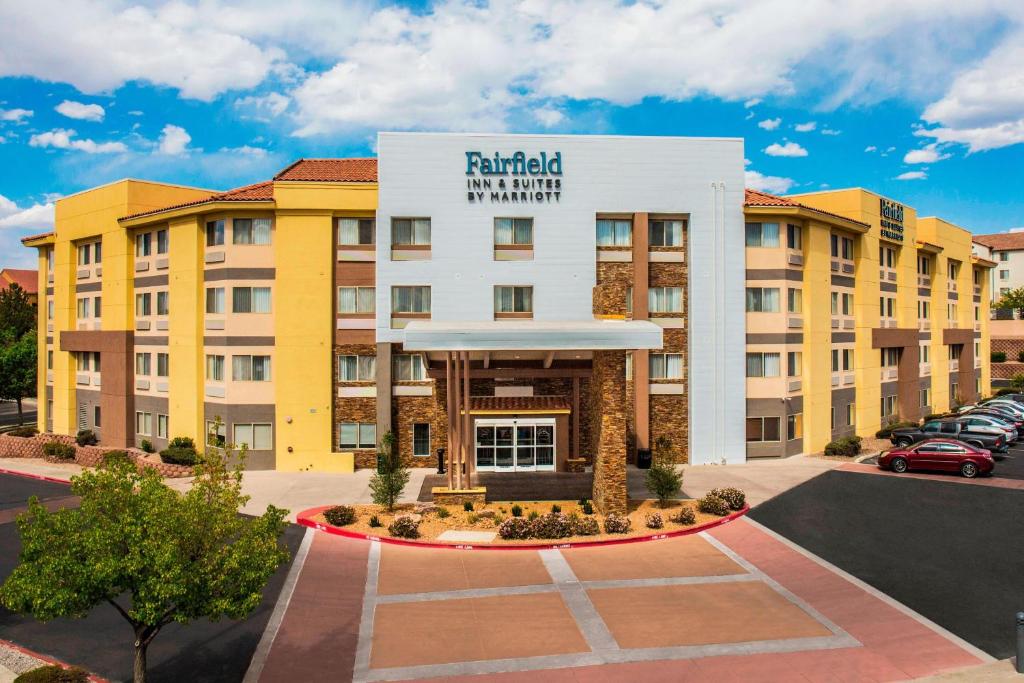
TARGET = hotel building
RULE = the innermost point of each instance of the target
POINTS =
(527, 303)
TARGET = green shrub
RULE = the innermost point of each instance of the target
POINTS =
(1005, 390)
(551, 525)
(934, 416)
(58, 450)
(588, 508)
(147, 446)
(653, 520)
(686, 516)
(734, 496)
(340, 515)
(616, 524)
(375, 521)
(533, 515)
(555, 507)
(112, 457)
(86, 437)
(663, 481)
(23, 432)
(182, 442)
(517, 510)
(442, 513)
(53, 674)
(847, 446)
(175, 455)
(1020, 357)
(886, 431)
(713, 505)
(582, 502)
(998, 356)
(468, 506)
(404, 526)
(514, 529)
(584, 526)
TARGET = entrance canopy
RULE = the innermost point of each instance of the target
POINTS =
(507, 335)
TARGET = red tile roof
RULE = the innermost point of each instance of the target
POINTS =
(248, 193)
(26, 279)
(757, 198)
(331, 170)
(1002, 241)
(514, 404)
(41, 235)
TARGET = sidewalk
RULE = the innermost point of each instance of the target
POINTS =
(40, 468)
(759, 479)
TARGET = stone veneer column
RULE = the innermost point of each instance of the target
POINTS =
(608, 433)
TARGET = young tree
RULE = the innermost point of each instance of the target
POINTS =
(17, 315)
(170, 556)
(1013, 299)
(18, 369)
(387, 484)
(663, 480)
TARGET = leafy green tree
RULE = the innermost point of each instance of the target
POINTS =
(387, 484)
(171, 557)
(18, 369)
(1017, 382)
(17, 314)
(663, 479)
(1013, 299)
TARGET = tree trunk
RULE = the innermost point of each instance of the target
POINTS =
(139, 675)
(21, 416)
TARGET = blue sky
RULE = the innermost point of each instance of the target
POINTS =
(922, 101)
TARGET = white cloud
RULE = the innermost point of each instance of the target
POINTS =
(870, 148)
(81, 111)
(61, 138)
(767, 183)
(548, 117)
(805, 127)
(787, 149)
(912, 175)
(15, 115)
(263, 107)
(173, 140)
(135, 112)
(830, 131)
(36, 216)
(752, 102)
(769, 124)
(926, 155)
(246, 150)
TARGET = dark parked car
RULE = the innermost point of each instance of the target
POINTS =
(951, 428)
(944, 455)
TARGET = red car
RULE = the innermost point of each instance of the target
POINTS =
(946, 455)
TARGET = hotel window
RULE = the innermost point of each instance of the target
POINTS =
(513, 299)
(97, 250)
(763, 429)
(250, 299)
(977, 313)
(762, 300)
(357, 299)
(977, 350)
(250, 368)
(954, 391)
(408, 367)
(847, 301)
(144, 423)
(795, 300)
(842, 360)
(83, 308)
(1003, 291)
(49, 260)
(215, 300)
(925, 353)
(97, 416)
(924, 265)
(214, 233)
(842, 247)
(216, 434)
(850, 413)
(356, 435)
(666, 365)
(761, 364)
(143, 244)
(794, 237)
(888, 406)
(1004, 275)
(886, 257)
(163, 363)
(162, 299)
(143, 305)
(161, 248)
(215, 368)
(49, 309)
(887, 304)
(614, 233)
(665, 299)
(82, 360)
(356, 231)
(794, 363)
(96, 300)
(410, 232)
(253, 231)
(924, 309)
(794, 426)
(953, 271)
(835, 303)
(49, 360)
(513, 231)
(255, 437)
(410, 299)
(926, 397)
(143, 363)
(161, 426)
(1004, 256)
(833, 417)
(421, 439)
(666, 233)
(762, 235)
(83, 255)
(890, 357)
(955, 350)
(951, 312)
(357, 368)
(977, 277)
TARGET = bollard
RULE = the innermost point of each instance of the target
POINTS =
(1020, 642)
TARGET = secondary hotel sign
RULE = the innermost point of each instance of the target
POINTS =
(892, 219)
(516, 179)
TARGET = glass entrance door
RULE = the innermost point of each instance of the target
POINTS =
(515, 445)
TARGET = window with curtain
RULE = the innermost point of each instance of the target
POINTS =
(666, 365)
(250, 299)
(143, 244)
(794, 363)
(83, 255)
(410, 299)
(96, 306)
(161, 245)
(357, 299)
(95, 361)
(794, 237)
(614, 232)
(215, 368)
(847, 304)
(795, 301)
(355, 231)
(143, 304)
(162, 301)
(144, 423)
(241, 231)
(762, 300)
(214, 233)
(250, 368)
(161, 426)
(513, 299)
(666, 233)
(410, 231)
(794, 426)
(142, 363)
(665, 299)
(357, 435)
(763, 429)
(421, 439)
(509, 231)
(97, 248)
(163, 365)
(83, 308)
(357, 368)
(216, 434)
(763, 364)
(847, 252)
(762, 235)
(215, 300)
(256, 437)
(408, 367)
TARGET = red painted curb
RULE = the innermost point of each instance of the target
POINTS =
(29, 475)
(304, 518)
(46, 658)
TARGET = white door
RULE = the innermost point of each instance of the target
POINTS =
(517, 445)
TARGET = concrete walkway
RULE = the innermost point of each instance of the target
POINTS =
(40, 468)
(760, 479)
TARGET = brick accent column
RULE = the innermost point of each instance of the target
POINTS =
(383, 377)
(608, 432)
(641, 380)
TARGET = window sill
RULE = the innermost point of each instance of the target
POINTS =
(513, 316)
(415, 252)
